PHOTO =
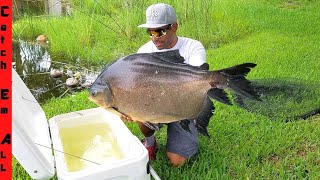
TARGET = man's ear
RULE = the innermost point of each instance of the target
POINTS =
(175, 27)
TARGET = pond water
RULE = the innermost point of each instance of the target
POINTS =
(34, 63)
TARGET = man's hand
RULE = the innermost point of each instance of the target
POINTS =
(125, 118)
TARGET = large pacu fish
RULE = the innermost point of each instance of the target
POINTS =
(159, 88)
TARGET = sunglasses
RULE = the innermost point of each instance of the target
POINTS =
(159, 32)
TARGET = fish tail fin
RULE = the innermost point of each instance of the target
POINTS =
(232, 78)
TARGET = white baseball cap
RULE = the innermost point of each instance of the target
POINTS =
(159, 15)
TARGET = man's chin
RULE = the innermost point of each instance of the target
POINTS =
(159, 46)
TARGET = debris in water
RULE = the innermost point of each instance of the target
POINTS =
(56, 73)
(42, 40)
(72, 82)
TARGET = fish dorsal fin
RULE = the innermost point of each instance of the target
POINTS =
(172, 56)
(204, 66)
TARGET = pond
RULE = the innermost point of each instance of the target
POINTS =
(34, 62)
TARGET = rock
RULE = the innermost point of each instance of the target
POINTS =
(72, 82)
(86, 84)
(55, 73)
(42, 39)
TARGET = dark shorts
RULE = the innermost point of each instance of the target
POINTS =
(182, 142)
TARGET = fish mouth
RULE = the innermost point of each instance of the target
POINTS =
(101, 97)
(98, 101)
(92, 98)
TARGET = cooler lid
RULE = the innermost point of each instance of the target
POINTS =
(31, 144)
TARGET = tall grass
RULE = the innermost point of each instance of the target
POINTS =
(98, 31)
(281, 36)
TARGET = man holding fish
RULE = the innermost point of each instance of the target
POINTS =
(162, 26)
(168, 82)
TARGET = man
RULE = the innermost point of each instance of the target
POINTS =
(162, 26)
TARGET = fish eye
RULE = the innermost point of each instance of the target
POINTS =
(93, 93)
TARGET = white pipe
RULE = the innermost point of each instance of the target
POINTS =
(154, 174)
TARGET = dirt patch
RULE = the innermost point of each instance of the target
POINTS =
(274, 158)
(290, 5)
(302, 153)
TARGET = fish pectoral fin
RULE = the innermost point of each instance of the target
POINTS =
(118, 113)
(153, 126)
(203, 118)
(114, 111)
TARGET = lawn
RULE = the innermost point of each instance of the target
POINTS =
(264, 140)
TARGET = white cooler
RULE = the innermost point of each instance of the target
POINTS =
(33, 149)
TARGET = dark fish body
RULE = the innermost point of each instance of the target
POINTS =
(160, 88)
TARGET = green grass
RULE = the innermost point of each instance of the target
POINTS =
(282, 37)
